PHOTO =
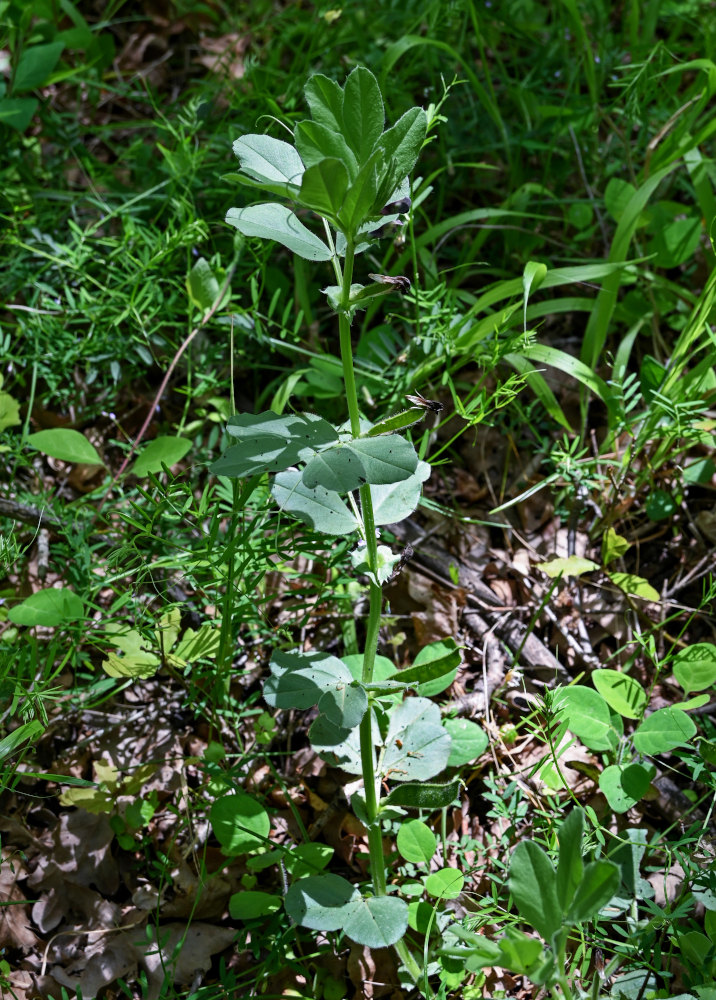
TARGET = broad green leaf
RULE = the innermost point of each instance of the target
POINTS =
(199, 645)
(701, 471)
(613, 546)
(361, 201)
(270, 160)
(401, 145)
(378, 461)
(397, 501)
(628, 855)
(299, 680)
(587, 715)
(377, 921)
(417, 746)
(240, 823)
(423, 795)
(202, 285)
(434, 668)
(382, 668)
(651, 376)
(518, 952)
(330, 903)
(469, 741)
(621, 692)
(307, 859)
(320, 901)
(325, 99)
(252, 904)
(307, 431)
(10, 411)
(625, 784)
(17, 112)
(698, 950)
(636, 985)
(338, 470)
(271, 221)
(692, 703)
(421, 917)
(92, 800)
(570, 866)
(315, 142)
(416, 842)
(675, 240)
(66, 445)
(446, 883)
(695, 666)
(269, 442)
(534, 889)
(344, 704)
(388, 459)
(600, 882)
(659, 505)
(167, 631)
(636, 586)
(48, 608)
(324, 186)
(161, 451)
(363, 113)
(35, 65)
(664, 730)
(138, 659)
(567, 566)
(338, 746)
(617, 195)
(319, 508)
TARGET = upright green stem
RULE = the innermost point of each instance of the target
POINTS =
(372, 787)
(375, 606)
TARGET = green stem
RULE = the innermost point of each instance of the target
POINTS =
(375, 606)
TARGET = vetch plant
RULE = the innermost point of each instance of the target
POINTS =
(349, 175)
(551, 901)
